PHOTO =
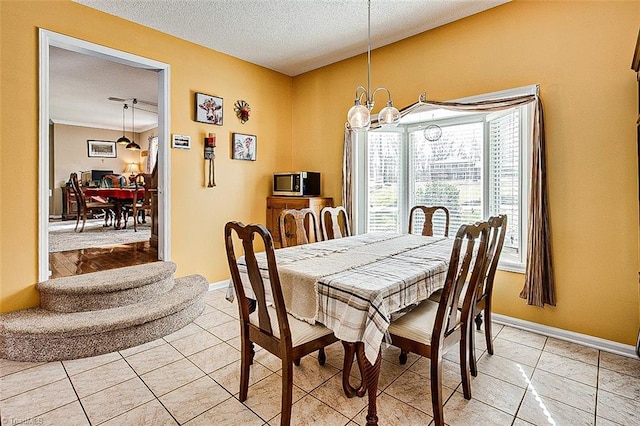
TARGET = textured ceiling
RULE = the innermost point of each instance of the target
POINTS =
(289, 36)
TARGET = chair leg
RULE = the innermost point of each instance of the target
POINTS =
(465, 355)
(84, 220)
(436, 391)
(296, 362)
(287, 392)
(473, 365)
(487, 327)
(245, 361)
(135, 220)
(403, 357)
(479, 321)
(77, 221)
(322, 357)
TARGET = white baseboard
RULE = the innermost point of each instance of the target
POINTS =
(569, 336)
(219, 285)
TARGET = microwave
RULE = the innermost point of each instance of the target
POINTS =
(296, 184)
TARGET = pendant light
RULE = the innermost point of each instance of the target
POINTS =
(359, 116)
(132, 145)
(123, 140)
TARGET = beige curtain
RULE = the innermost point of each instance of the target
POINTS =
(347, 178)
(539, 286)
(152, 155)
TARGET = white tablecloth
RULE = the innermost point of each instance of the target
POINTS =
(352, 285)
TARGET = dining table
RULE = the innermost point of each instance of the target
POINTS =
(354, 286)
(118, 196)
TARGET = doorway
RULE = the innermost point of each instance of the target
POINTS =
(49, 40)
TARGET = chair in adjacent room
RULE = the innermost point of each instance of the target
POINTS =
(298, 227)
(140, 204)
(85, 206)
(498, 229)
(431, 328)
(427, 227)
(113, 181)
(334, 222)
(268, 325)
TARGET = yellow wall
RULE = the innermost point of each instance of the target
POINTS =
(580, 53)
(198, 214)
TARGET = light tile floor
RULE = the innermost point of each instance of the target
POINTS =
(192, 377)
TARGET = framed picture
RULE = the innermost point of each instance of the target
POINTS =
(208, 109)
(180, 141)
(102, 149)
(244, 146)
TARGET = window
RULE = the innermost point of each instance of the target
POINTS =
(478, 167)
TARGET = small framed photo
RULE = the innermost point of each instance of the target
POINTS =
(244, 146)
(180, 141)
(106, 149)
(208, 109)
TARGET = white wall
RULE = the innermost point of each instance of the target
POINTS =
(70, 155)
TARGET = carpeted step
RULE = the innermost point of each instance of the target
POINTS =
(40, 335)
(106, 289)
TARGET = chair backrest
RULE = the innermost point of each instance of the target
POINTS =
(498, 230)
(247, 235)
(298, 227)
(334, 222)
(427, 228)
(113, 181)
(143, 180)
(466, 265)
(77, 192)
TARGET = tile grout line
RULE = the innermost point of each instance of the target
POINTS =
(76, 392)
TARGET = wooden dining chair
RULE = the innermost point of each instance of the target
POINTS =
(334, 222)
(268, 325)
(113, 181)
(85, 206)
(138, 207)
(298, 227)
(498, 229)
(432, 328)
(427, 227)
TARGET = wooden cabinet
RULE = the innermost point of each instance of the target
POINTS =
(276, 204)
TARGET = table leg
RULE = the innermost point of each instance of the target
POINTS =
(118, 221)
(371, 374)
(349, 353)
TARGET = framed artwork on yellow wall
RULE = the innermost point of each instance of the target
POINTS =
(208, 109)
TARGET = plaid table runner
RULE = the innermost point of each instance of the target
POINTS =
(352, 285)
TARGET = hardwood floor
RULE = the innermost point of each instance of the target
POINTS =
(83, 261)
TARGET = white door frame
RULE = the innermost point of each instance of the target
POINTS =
(48, 39)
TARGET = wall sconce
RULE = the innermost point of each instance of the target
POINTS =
(209, 145)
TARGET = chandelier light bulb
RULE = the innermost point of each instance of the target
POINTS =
(389, 116)
(359, 117)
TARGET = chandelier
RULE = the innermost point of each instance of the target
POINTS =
(359, 116)
(133, 145)
(123, 140)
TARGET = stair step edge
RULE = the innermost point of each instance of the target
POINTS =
(40, 322)
(110, 280)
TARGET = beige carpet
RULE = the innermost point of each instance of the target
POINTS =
(62, 237)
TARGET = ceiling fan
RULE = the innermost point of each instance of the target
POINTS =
(136, 102)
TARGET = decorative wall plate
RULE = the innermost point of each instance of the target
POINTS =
(242, 110)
